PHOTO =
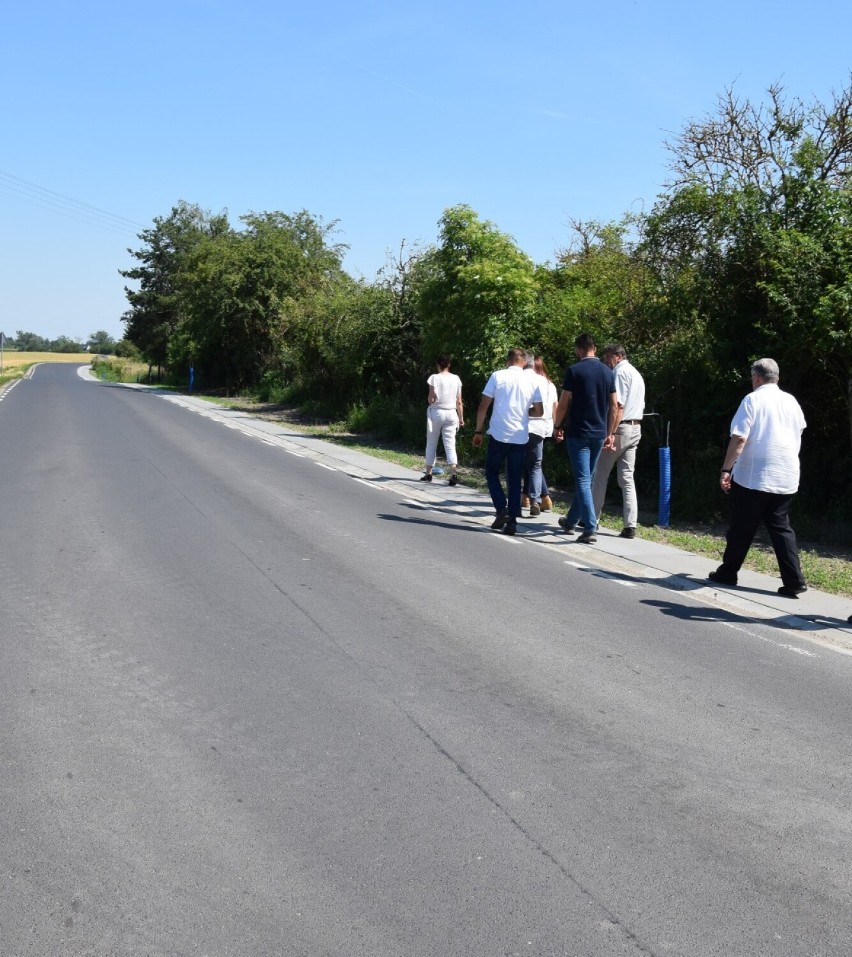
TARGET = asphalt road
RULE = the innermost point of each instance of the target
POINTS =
(252, 706)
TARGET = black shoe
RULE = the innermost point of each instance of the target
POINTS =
(587, 538)
(511, 527)
(563, 524)
(454, 479)
(426, 478)
(500, 521)
(627, 532)
(792, 591)
(721, 579)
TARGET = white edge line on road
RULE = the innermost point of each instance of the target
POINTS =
(322, 465)
(778, 644)
(354, 478)
(618, 579)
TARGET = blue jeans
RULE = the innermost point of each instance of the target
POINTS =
(584, 454)
(535, 484)
(513, 455)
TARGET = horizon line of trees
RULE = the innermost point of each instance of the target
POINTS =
(98, 342)
(747, 253)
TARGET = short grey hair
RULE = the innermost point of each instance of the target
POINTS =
(530, 359)
(766, 369)
(614, 349)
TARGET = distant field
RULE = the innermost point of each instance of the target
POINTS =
(12, 360)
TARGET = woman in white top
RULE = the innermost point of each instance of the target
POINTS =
(444, 417)
(535, 493)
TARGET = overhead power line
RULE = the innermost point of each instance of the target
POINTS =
(48, 199)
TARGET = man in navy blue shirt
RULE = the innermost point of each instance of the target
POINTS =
(589, 402)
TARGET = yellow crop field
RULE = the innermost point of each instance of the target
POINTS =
(15, 364)
(12, 360)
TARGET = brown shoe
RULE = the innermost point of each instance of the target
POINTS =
(525, 501)
(546, 503)
(535, 509)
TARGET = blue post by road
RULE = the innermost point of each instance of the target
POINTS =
(665, 486)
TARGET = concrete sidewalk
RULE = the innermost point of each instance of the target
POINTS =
(818, 615)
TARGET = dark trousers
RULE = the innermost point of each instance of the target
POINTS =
(513, 456)
(750, 508)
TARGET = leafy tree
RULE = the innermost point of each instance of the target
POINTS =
(155, 305)
(752, 247)
(477, 293)
(64, 344)
(247, 295)
(759, 146)
(125, 349)
(101, 342)
(598, 285)
(30, 342)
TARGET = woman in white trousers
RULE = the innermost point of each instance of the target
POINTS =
(444, 417)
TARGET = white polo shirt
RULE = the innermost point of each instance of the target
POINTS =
(771, 422)
(630, 390)
(513, 391)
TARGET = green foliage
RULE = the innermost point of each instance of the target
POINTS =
(155, 303)
(101, 343)
(245, 295)
(29, 342)
(125, 349)
(476, 295)
(111, 368)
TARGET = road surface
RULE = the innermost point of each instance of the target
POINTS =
(253, 706)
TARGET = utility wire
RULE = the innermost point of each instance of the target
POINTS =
(30, 192)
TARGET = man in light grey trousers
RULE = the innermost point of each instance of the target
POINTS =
(630, 393)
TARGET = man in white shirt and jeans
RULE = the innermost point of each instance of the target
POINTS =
(515, 396)
(761, 474)
(630, 394)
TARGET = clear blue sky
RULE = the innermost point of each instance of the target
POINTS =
(377, 114)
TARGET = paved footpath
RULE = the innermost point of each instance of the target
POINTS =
(815, 615)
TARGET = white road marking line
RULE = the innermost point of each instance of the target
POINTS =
(361, 481)
(618, 579)
(298, 455)
(322, 465)
(778, 644)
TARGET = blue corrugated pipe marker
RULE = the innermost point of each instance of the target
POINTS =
(665, 486)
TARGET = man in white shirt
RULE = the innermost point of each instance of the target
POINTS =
(630, 394)
(761, 474)
(515, 397)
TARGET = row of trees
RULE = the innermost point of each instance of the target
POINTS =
(98, 342)
(748, 252)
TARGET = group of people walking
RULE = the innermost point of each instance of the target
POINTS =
(599, 415)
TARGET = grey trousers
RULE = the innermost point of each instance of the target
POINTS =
(624, 456)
